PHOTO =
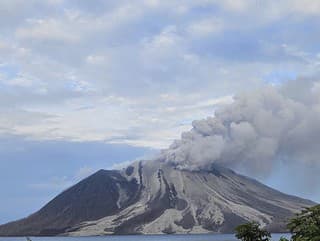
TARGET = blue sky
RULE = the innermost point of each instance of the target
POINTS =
(33, 172)
(88, 84)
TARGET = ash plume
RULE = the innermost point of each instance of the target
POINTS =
(256, 131)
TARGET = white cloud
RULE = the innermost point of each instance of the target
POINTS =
(306, 7)
(47, 29)
(96, 59)
(139, 72)
(106, 71)
(205, 27)
(277, 9)
(238, 5)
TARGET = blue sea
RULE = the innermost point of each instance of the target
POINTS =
(192, 237)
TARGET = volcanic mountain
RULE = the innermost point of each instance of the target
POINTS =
(154, 197)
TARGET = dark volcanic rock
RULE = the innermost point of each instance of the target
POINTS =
(92, 198)
(155, 197)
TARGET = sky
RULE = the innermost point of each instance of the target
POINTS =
(94, 84)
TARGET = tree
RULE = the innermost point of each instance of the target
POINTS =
(252, 232)
(283, 239)
(306, 225)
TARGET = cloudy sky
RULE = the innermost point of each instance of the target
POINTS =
(90, 84)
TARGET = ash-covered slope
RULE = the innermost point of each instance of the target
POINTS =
(154, 197)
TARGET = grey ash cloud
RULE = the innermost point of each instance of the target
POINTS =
(256, 131)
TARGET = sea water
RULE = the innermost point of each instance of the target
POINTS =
(189, 237)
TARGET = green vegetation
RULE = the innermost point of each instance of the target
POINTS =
(252, 232)
(304, 227)
(283, 239)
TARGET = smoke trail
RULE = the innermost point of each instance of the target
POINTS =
(255, 131)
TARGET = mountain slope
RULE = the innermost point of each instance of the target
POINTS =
(154, 197)
(93, 198)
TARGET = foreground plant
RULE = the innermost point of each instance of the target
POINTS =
(252, 232)
(306, 225)
(283, 239)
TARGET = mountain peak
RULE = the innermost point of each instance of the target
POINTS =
(155, 197)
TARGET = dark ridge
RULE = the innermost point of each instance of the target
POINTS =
(140, 175)
(136, 194)
(233, 221)
(91, 199)
(216, 173)
(129, 170)
(187, 221)
(159, 177)
(173, 189)
(181, 204)
(205, 179)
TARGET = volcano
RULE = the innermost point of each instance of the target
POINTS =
(154, 197)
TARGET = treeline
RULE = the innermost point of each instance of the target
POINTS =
(305, 226)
